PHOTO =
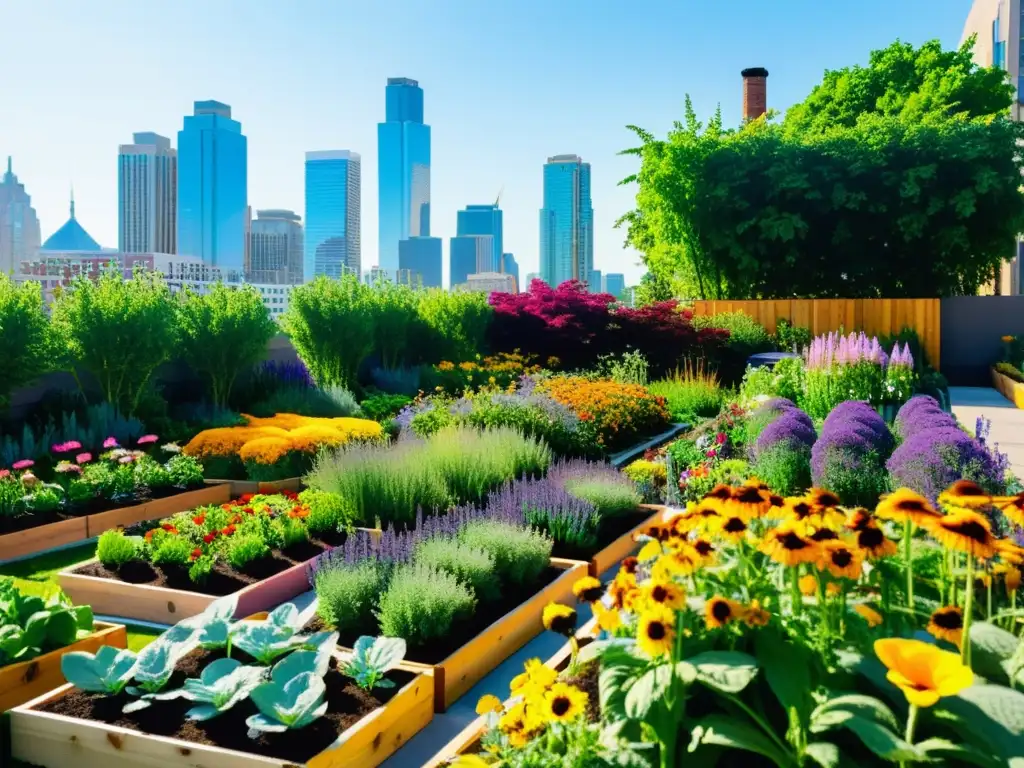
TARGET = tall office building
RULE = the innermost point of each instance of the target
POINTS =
(420, 257)
(615, 284)
(483, 220)
(509, 266)
(594, 282)
(998, 26)
(468, 255)
(566, 221)
(275, 248)
(403, 167)
(19, 226)
(147, 195)
(333, 213)
(213, 187)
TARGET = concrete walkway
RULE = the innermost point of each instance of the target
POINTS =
(1007, 421)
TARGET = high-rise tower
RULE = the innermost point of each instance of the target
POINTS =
(333, 214)
(147, 192)
(19, 227)
(566, 221)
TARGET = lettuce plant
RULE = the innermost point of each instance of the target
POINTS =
(107, 671)
(155, 663)
(372, 658)
(221, 685)
(287, 705)
(266, 640)
(30, 626)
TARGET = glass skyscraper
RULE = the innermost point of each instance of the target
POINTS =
(213, 187)
(483, 220)
(403, 167)
(615, 284)
(421, 258)
(510, 266)
(147, 192)
(19, 226)
(566, 221)
(275, 248)
(469, 255)
(333, 214)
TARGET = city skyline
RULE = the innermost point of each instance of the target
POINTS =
(333, 213)
(147, 195)
(493, 123)
(566, 221)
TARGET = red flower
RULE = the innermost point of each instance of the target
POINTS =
(249, 511)
(290, 495)
(227, 507)
(245, 498)
(235, 520)
(298, 512)
(199, 519)
(720, 438)
(168, 527)
(208, 538)
(149, 534)
(197, 553)
(228, 531)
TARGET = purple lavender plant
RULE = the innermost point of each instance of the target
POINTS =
(931, 459)
(921, 413)
(281, 374)
(792, 426)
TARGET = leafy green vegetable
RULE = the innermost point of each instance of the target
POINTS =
(30, 626)
(291, 705)
(221, 685)
(107, 671)
(372, 658)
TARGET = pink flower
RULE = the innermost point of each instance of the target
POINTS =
(83, 458)
(4, 474)
(67, 468)
(711, 454)
(110, 442)
(59, 448)
(126, 459)
(146, 439)
(721, 437)
(72, 445)
(23, 464)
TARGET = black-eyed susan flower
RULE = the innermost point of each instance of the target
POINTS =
(608, 619)
(756, 616)
(924, 672)
(656, 631)
(823, 534)
(964, 530)
(704, 549)
(588, 589)
(733, 528)
(903, 505)
(868, 536)
(785, 545)
(841, 560)
(799, 508)
(869, 614)
(822, 499)
(719, 611)
(649, 551)
(678, 563)
(536, 676)
(559, 618)
(747, 501)
(489, 703)
(947, 624)
(1012, 579)
(965, 494)
(720, 493)
(519, 723)
(630, 564)
(564, 703)
(1010, 552)
(1012, 507)
(664, 592)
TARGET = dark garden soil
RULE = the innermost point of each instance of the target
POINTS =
(463, 631)
(585, 679)
(92, 507)
(611, 529)
(223, 579)
(346, 705)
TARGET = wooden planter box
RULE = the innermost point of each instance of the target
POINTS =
(627, 455)
(626, 544)
(25, 681)
(57, 741)
(44, 537)
(1008, 388)
(480, 655)
(239, 487)
(468, 739)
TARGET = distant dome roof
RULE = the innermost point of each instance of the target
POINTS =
(71, 237)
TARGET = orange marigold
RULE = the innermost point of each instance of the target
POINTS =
(265, 450)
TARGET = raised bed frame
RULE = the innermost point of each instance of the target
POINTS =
(43, 537)
(239, 487)
(1008, 388)
(57, 741)
(25, 681)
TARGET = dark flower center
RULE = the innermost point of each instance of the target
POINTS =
(656, 630)
(593, 594)
(721, 610)
(948, 619)
(792, 542)
(860, 521)
(776, 500)
(912, 505)
(827, 499)
(659, 594)
(967, 488)
(972, 529)
(749, 495)
(560, 705)
(802, 509)
(706, 512)
(734, 525)
(722, 492)
(824, 534)
(842, 558)
(629, 564)
(869, 538)
(704, 548)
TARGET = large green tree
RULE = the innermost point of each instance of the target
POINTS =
(901, 178)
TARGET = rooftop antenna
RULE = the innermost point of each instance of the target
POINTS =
(497, 203)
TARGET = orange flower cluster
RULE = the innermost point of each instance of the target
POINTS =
(499, 370)
(618, 413)
(267, 441)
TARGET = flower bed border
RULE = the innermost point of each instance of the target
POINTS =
(625, 456)
(40, 538)
(626, 544)
(470, 736)
(480, 655)
(240, 487)
(29, 679)
(43, 738)
(1008, 388)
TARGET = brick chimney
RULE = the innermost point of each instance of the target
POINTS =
(755, 92)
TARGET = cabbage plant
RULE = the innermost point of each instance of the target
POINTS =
(107, 671)
(372, 658)
(289, 705)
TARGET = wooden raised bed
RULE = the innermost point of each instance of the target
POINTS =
(57, 741)
(1008, 388)
(468, 739)
(43, 537)
(239, 487)
(626, 544)
(473, 661)
(25, 681)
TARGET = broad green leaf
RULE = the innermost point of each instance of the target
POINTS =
(106, 671)
(612, 682)
(879, 739)
(824, 753)
(991, 717)
(990, 647)
(725, 671)
(941, 749)
(646, 690)
(856, 704)
(788, 671)
(723, 731)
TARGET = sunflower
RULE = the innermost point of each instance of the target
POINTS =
(536, 676)
(518, 723)
(822, 499)
(904, 504)
(869, 614)
(947, 624)
(732, 528)
(588, 589)
(747, 501)
(564, 703)
(755, 615)
(1012, 507)
(924, 672)
(841, 560)
(823, 534)
(964, 530)
(559, 618)
(785, 545)
(965, 493)
(719, 611)
(656, 631)
(666, 593)
(872, 542)
(704, 549)
(489, 703)
(608, 619)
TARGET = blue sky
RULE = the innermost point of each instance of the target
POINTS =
(507, 84)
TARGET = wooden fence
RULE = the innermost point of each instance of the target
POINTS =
(873, 316)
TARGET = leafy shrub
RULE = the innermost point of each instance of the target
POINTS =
(473, 567)
(184, 471)
(921, 413)
(25, 339)
(455, 324)
(114, 549)
(690, 394)
(403, 381)
(381, 407)
(292, 532)
(785, 467)
(328, 512)
(422, 604)
(520, 555)
(745, 332)
(118, 330)
(346, 596)
(332, 401)
(172, 550)
(245, 549)
(627, 368)
(791, 338)
(222, 333)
